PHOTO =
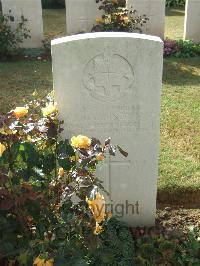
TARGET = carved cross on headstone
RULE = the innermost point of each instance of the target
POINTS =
(108, 76)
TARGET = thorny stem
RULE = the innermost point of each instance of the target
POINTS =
(56, 147)
(10, 157)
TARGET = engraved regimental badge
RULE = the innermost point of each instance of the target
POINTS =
(108, 77)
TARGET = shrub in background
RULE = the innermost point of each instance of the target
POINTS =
(169, 47)
(48, 4)
(181, 48)
(61, 2)
(10, 39)
(118, 18)
(175, 3)
(187, 49)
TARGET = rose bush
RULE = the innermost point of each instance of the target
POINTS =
(11, 39)
(51, 204)
(118, 18)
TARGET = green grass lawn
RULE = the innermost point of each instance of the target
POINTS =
(180, 124)
(180, 119)
(54, 22)
(18, 81)
(174, 23)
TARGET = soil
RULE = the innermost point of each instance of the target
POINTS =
(188, 198)
(171, 222)
(17, 58)
(178, 219)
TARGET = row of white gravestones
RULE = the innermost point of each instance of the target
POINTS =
(109, 85)
(155, 11)
(81, 15)
(192, 20)
(30, 10)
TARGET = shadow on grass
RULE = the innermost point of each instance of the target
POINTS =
(182, 72)
(175, 12)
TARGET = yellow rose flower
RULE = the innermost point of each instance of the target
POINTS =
(99, 20)
(97, 207)
(41, 262)
(7, 131)
(126, 20)
(98, 229)
(61, 172)
(100, 157)
(49, 109)
(81, 142)
(2, 149)
(29, 138)
(107, 20)
(74, 158)
(20, 112)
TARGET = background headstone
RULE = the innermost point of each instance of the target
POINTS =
(155, 11)
(81, 15)
(109, 85)
(32, 11)
(192, 20)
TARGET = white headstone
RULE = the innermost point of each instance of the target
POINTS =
(192, 20)
(155, 11)
(109, 85)
(81, 15)
(32, 11)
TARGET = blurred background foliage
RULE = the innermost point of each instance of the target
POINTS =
(48, 4)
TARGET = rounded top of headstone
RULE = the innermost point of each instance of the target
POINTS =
(97, 35)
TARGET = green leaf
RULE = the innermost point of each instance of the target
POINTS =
(23, 258)
(65, 148)
(61, 262)
(25, 152)
(47, 162)
(30, 154)
(64, 152)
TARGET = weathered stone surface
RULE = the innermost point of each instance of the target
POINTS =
(155, 11)
(109, 85)
(192, 20)
(32, 11)
(81, 15)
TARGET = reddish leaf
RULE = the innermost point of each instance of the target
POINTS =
(6, 204)
(4, 192)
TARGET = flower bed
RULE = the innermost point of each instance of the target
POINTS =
(181, 48)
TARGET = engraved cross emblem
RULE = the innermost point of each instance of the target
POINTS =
(108, 76)
(107, 80)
